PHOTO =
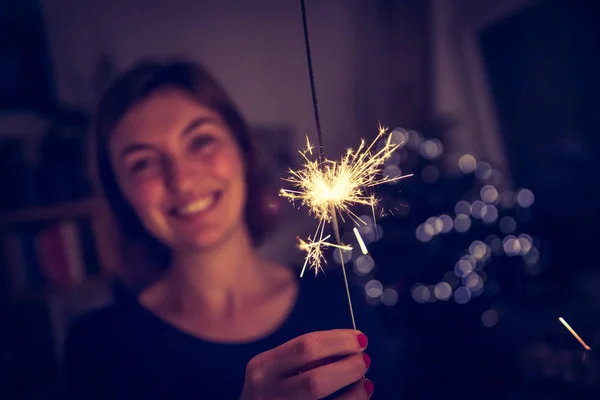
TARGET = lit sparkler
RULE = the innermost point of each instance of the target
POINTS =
(328, 189)
(580, 340)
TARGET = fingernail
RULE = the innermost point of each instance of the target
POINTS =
(369, 387)
(366, 359)
(362, 340)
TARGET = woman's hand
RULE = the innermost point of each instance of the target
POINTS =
(311, 366)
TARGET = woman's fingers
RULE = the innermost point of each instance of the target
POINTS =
(361, 390)
(295, 355)
(311, 366)
(327, 379)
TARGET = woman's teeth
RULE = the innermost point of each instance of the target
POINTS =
(197, 206)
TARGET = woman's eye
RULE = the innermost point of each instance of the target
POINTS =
(200, 143)
(142, 165)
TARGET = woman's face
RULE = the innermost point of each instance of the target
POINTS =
(180, 168)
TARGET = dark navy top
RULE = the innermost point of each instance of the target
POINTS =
(124, 351)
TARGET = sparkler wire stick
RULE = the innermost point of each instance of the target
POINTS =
(336, 232)
(311, 76)
(322, 152)
(580, 340)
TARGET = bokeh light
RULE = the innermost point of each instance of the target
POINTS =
(392, 171)
(442, 291)
(525, 242)
(511, 246)
(489, 318)
(399, 137)
(425, 232)
(478, 249)
(462, 295)
(421, 293)
(364, 264)
(491, 214)
(367, 233)
(478, 209)
(467, 163)
(463, 268)
(431, 149)
(462, 223)
(483, 170)
(532, 257)
(447, 223)
(489, 194)
(374, 288)
(346, 254)
(389, 297)
(525, 198)
(473, 282)
(462, 207)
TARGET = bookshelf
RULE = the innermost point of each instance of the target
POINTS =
(56, 262)
(60, 211)
(52, 249)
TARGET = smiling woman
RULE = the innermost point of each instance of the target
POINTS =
(177, 165)
(181, 169)
(135, 150)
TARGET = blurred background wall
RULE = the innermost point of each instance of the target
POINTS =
(255, 48)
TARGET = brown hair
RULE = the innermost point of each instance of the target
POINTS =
(137, 84)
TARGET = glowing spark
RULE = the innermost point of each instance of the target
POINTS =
(585, 346)
(330, 188)
(361, 243)
(314, 252)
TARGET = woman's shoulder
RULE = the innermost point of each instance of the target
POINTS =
(106, 338)
(102, 353)
(104, 322)
(95, 328)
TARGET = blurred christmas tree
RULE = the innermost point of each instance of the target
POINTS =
(456, 250)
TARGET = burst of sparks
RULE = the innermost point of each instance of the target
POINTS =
(327, 187)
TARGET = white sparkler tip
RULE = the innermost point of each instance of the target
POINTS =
(361, 243)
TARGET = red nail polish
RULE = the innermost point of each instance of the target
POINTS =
(369, 387)
(366, 359)
(362, 341)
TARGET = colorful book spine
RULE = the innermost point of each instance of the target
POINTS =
(57, 255)
(73, 252)
(52, 256)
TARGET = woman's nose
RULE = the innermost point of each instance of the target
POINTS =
(178, 178)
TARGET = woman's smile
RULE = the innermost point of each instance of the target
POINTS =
(196, 208)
